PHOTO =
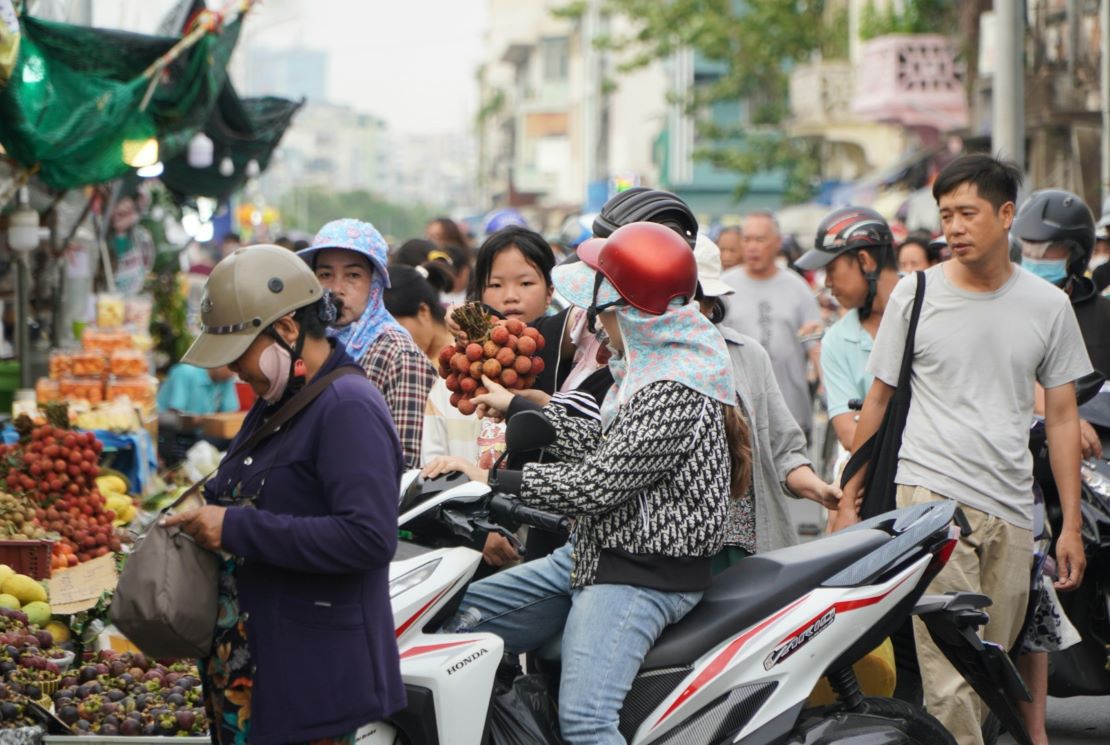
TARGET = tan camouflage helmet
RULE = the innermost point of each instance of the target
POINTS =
(246, 292)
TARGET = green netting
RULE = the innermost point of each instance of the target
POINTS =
(242, 129)
(72, 103)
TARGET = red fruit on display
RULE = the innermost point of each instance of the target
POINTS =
(468, 384)
(515, 326)
(476, 370)
(446, 354)
(509, 377)
(474, 351)
(506, 357)
(452, 382)
(523, 365)
(491, 368)
(499, 335)
(537, 365)
(490, 350)
(466, 407)
(455, 398)
(461, 364)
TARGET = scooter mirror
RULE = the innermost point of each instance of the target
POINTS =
(1088, 387)
(528, 430)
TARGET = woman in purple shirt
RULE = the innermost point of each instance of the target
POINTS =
(306, 520)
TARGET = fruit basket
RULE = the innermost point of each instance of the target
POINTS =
(27, 557)
(105, 340)
(88, 364)
(128, 363)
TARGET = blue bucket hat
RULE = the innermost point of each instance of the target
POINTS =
(352, 235)
(362, 238)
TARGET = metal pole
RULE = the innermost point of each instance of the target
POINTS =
(1008, 95)
(22, 320)
(1104, 74)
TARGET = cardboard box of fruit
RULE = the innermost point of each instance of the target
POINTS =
(221, 426)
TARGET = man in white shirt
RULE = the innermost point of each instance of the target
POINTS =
(772, 305)
(988, 331)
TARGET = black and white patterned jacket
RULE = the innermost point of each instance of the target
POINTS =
(650, 497)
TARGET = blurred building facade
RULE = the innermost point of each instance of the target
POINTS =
(559, 130)
(331, 147)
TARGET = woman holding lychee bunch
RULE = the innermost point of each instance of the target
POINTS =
(648, 485)
(512, 278)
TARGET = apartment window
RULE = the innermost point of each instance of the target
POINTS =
(555, 54)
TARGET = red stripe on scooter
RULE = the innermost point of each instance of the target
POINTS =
(842, 607)
(405, 626)
(848, 605)
(416, 651)
(714, 668)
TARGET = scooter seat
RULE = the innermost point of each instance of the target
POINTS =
(755, 588)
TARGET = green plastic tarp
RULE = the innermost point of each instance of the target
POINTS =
(71, 106)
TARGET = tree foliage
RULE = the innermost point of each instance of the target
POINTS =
(752, 44)
(308, 208)
(913, 17)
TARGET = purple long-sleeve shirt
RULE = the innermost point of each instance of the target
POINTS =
(316, 547)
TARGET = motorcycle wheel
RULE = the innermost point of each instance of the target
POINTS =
(920, 726)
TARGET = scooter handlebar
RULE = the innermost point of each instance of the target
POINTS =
(507, 509)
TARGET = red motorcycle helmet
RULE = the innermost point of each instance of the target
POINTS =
(649, 266)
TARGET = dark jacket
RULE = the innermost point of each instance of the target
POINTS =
(316, 548)
(1092, 311)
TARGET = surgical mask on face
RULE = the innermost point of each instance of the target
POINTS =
(275, 363)
(1052, 270)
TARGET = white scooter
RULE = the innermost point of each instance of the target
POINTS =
(739, 667)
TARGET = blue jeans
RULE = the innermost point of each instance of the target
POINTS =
(607, 631)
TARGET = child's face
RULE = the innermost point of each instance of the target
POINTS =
(516, 287)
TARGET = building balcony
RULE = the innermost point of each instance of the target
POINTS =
(821, 93)
(914, 80)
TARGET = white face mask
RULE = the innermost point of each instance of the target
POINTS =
(275, 363)
(1097, 261)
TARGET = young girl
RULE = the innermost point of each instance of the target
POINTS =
(648, 484)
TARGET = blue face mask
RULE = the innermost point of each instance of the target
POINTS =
(1052, 270)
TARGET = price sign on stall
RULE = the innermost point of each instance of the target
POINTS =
(79, 588)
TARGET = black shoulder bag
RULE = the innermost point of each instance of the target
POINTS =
(880, 452)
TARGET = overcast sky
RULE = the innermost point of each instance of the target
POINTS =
(410, 62)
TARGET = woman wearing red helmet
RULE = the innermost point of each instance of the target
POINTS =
(648, 485)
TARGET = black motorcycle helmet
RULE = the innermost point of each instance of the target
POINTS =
(641, 204)
(1057, 215)
(851, 229)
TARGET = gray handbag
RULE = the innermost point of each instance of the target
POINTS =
(166, 601)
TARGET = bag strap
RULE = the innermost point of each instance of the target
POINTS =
(289, 409)
(866, 451)
(911, 334)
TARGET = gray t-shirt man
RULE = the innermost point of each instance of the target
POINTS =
(976, 357)
(773, 311)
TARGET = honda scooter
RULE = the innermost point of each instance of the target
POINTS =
(738, 668)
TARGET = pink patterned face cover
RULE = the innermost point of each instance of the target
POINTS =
(275, 363)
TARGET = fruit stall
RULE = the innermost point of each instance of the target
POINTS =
(64, 533)
(107, 386)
